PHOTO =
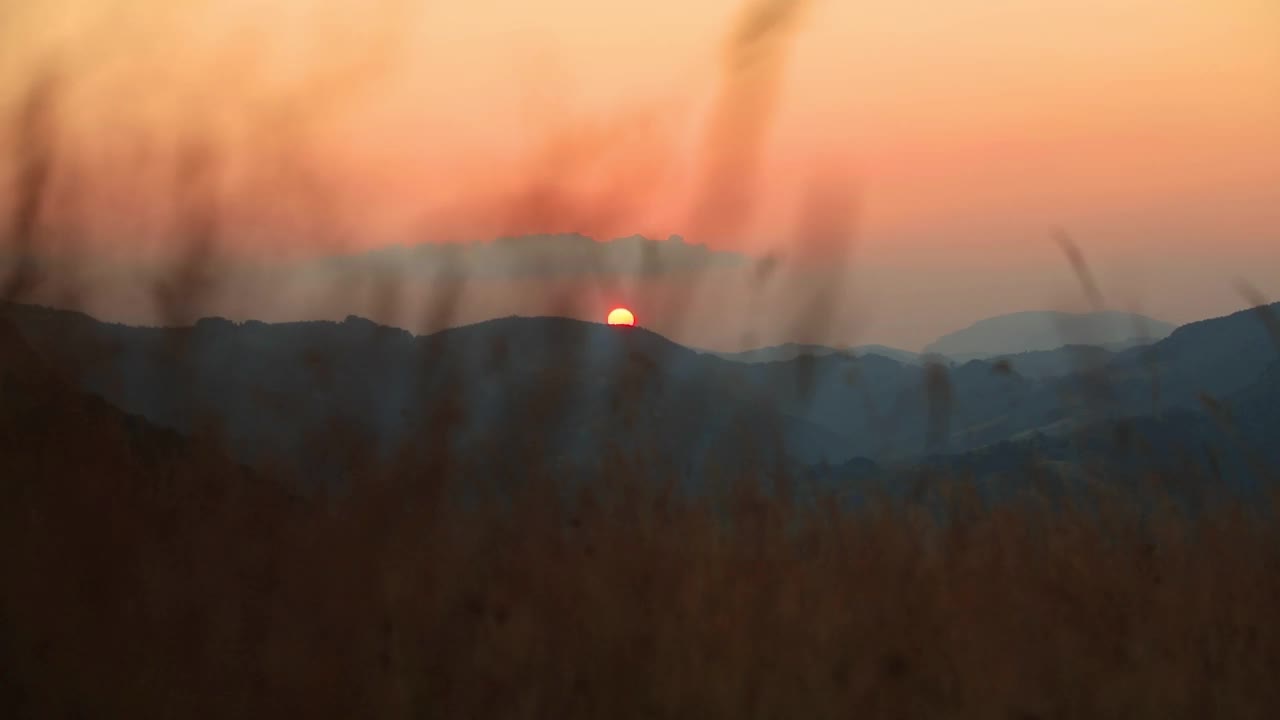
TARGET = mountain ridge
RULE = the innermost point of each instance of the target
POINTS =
(1031, 331)
(571, 388)
(790, 351)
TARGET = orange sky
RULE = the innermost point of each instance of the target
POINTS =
(963, 130)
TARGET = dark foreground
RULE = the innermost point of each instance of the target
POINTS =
(150, 580)
(145, 574)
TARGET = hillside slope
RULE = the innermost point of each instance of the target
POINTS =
(1034, 331)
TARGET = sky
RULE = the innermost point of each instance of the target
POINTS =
(891, 170)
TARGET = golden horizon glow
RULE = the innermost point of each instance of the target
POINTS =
(621, 316)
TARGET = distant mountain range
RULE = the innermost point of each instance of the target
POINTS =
(1039, 331)
(1038, 344)
(569, 392)
(791, 351)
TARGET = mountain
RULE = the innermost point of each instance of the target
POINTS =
(503, 393)
(561, 389)
(1220, 446)
(791, 351)
(114, 535)
(1034, 331)
(1216, 357)
(568, 391)
(887, 408)
(1200, 406)
(1059, 362)
(50, 430)
(1207, 361)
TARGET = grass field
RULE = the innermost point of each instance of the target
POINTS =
(145, 584)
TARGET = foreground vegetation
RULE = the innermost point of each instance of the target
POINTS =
(145, 575)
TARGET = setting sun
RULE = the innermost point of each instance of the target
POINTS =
(621, 316)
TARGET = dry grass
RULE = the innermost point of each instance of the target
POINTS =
(184, 587)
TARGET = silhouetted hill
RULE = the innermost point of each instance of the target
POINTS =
(571, 393)
(1200, 408)
(18, 362)
(564, 390)
(48, 426)
(1066, 360)
(1032, 331)
(1216, 357)
(791, 351)
(115, 536)
(1192, 454)
(1255, 409)
(891, 410)
(885, 406)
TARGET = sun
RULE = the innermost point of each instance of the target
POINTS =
(621, 316)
